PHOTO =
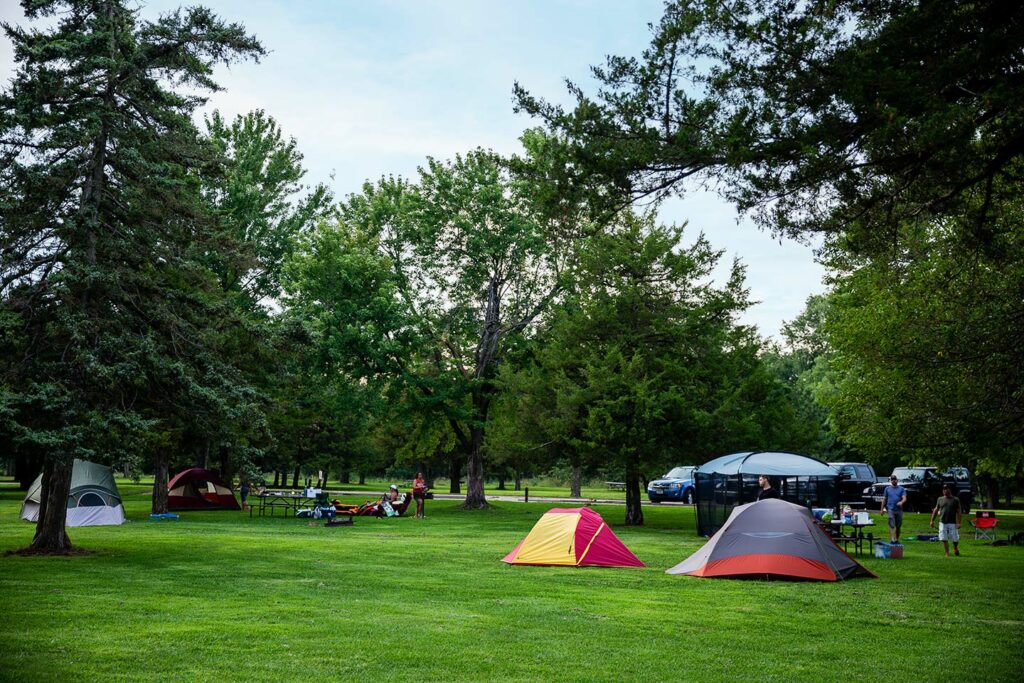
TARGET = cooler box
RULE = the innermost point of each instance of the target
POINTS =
(888, 551)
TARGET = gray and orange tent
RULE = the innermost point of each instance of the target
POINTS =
(575, 537)
(199, 489)
(771, 539)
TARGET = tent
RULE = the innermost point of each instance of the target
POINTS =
(199, 489)
(576, 537)
(731, 480)
(92, 501)
(771, 539)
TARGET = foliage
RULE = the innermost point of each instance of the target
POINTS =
(802, 365)
(424, 287)
(927, 348)
(110, 317)
(256, 194)
(837, 117)
(644, 366)
(895, 130)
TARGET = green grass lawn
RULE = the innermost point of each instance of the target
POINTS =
(222, 596)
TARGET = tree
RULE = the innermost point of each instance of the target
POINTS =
(257, 196)
(643, 361)
(463, 262)
(842, 118)
(104, 297)
(802, 365)
(927, 352)
(895, 130)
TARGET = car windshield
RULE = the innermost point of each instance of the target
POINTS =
(910, 473)
(680, 473)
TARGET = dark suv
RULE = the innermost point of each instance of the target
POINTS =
(924, 486)
(853, 478)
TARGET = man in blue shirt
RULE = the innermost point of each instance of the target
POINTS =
(893, 499)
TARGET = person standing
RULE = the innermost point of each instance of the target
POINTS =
(893, 498)
(419, 493)
(950, 515)
(243, 490)
(767, 491)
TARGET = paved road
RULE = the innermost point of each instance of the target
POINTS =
(506, 498)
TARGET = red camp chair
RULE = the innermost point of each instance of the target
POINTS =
(984, 524)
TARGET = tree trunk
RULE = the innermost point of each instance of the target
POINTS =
(991, 492)
(160, 481)
(362, 478)
(295, 476)
(277, 479)
(574, 479)
(634, 512)
(454, 473)
(519, 480)
(51, 536)
(204, 454)
(26, 469)
(227, 470)
(501, 480)
(345, 476)
(475, 498)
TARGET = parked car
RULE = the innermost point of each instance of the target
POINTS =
(854, 477)
(676, 485)
(924, 486)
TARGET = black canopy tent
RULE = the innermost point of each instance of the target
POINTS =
(731, 480)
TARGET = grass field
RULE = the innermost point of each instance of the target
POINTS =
(220, 596)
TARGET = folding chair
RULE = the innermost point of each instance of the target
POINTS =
(984, 524)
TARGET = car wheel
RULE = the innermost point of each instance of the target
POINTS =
(688, 497)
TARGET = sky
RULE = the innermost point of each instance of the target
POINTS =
(372, 88)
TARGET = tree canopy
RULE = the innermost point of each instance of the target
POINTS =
(840, 118)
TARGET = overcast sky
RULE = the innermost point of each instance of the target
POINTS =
(373, 87)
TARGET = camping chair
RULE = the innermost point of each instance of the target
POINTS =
(984, 524)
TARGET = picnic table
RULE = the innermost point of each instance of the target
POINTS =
(616, 485)
(855, 536)
(288, 502)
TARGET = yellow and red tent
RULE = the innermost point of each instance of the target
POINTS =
(576, 537)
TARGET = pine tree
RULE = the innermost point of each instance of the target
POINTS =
(109, 316)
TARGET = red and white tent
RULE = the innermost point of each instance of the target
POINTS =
(199, 489)
(771, 539)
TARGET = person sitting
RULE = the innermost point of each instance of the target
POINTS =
(392, 495)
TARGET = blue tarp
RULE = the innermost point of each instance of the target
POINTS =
(771, 463)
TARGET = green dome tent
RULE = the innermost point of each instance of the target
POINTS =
(92, 501)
